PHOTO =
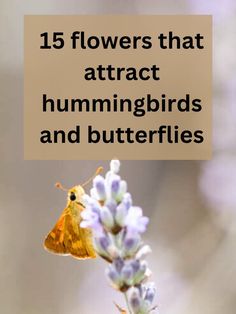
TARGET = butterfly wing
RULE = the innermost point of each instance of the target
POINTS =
(67, 237)
(78, 240)
(54, 241)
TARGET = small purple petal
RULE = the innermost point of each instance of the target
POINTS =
(142, 224)
(135, 222)
(118, 263)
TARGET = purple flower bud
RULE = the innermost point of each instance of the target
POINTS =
(150, 292)
(90, 218)
(127, 200)
(143, 266)
(113, 276)
(106, 218)
(122, 191)
(111, 205)
(104, 242)
(115, 165)
(143, 252)
(95, 208)
(121, 214)
(131, 244)
(99, 185)
(127, 274)
(91, 203)
(118, 263)
(135, 265)
(115, 186)
(140, 274)
(113, 251)
(101, 244)
(135, 300)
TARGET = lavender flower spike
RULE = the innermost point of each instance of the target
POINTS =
(117, 227)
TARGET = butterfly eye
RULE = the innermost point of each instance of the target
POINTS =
(72, 196)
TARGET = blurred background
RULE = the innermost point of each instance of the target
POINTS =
(191, 205)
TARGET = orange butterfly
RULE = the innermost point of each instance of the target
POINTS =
(67, 237)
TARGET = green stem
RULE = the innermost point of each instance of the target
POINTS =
(127, 302)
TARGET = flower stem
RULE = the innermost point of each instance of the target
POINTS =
(127, 302)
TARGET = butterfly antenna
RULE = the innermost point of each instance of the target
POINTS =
(61, 187)
(98, 171)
